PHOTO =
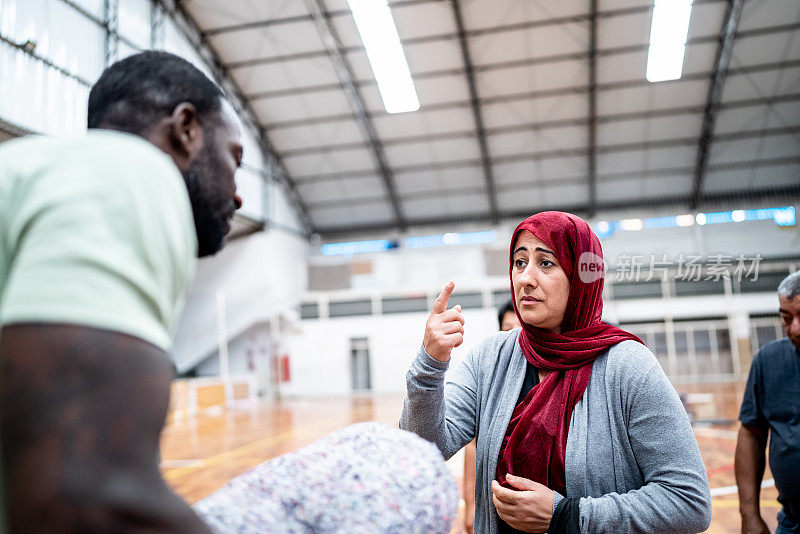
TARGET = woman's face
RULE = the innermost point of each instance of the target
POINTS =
(541, 287)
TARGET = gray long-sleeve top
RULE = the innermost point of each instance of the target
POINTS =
(631, 454)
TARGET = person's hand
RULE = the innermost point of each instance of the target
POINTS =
(753, 524)
(444, 330)
(530, 509)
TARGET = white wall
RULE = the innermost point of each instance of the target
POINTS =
(52, 99)
(256, 278)
(319, 350)
(33, 95)
(281, 209)
(248, 353)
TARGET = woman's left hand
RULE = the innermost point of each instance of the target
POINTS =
(530, 509)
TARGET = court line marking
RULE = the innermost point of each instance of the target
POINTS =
(181, 466)
(734, 503)
(730, 490)
(716, 433)
(218, 459)
(177, 462)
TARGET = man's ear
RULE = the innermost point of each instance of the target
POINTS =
(186, 134)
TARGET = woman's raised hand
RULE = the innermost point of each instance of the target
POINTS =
(444, 330)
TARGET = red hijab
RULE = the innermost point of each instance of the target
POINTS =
(536, 439)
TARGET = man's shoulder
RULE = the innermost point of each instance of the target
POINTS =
(774, 352)
(118, 149)
(95, 149)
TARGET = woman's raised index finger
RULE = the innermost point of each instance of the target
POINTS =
(440, 304)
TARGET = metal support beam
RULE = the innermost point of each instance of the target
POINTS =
(789, 193)
(102, 22)
(112, 30)
(156, 26)
(444, 37)
(618, 179)
(344, 71)
(243, 107)
(555, 154)
(302, 18)
(591, 155)
(33, 54)
(724, 49)
(576, 90)
(550, 124)
(549, 22)
(501, 65)
(477, 115)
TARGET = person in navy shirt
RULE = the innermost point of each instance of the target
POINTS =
(771, 407)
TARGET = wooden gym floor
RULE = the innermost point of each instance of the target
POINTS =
(201, 454)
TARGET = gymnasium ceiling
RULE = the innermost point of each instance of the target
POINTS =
(526, 105)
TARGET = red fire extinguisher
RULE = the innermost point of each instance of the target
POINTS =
(285, 374)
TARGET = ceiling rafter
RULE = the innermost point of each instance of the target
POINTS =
(344, 71)
(546, 125)
(578, 180)
(553, 154)
(527, 62)
(477, 114)
(193, 33)
(591, 152)
(724, 50)
(584, 129)
(560, 91)
(582, 209)
(447, 37)
(302, 18)
(528, 25)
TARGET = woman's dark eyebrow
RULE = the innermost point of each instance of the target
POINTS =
(540, 249)
(520, 248)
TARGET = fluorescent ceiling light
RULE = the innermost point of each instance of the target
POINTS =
(785, 216)
(357, 247)
(379, 35)
(451, 238)
(632, 225)
(668, 39)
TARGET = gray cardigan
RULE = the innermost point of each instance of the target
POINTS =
(631, 454)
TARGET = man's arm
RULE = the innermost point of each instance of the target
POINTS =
(81, 412)
(470, 453)
(749, 467)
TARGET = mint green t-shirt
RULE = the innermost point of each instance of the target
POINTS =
(95, 230)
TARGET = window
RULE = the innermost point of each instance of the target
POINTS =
(404, 304)
(467, 300)
(636, 290)
(350, 308)
(309, 310)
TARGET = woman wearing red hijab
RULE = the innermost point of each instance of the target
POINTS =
(577, 427)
